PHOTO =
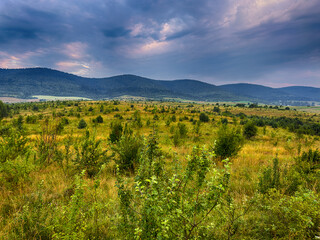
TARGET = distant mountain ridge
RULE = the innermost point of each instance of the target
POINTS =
(43, 81)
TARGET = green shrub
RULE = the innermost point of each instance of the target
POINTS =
(34, 219)
(89, 155)
(250, 130)
(13, 143)
(203, 117)
(270, 177)
(171, 204)
(286, 217)
(216, 109)
(47, 145)
(16, 172)
(224, 121)
(183, 130)
(116, 131)
(137, 122)
(71, 222)
(128, 151)
(228, 142)
(82, 124)
(4, 110)
(31, 119)
(98, 119)
(309, 161)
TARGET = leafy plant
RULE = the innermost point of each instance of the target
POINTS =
(4, 110)
(89, 155)
(82, 124)
(203, 117)
(116, 131)
(128, 151)
(250, 130)
(172, 205)
(228, 142)
(270, 177)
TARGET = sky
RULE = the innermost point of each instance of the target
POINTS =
(270, 42)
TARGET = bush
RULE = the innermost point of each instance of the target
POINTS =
(183, 130)
(224, 121)
(12, 144)
(116, 131)
(286, 217)
(89, 155)
(128, 150)
(47, 145)
(98, 119)
(203, 117)
(270, 177)
(137, 122)
(82, 124)
(228, 143)
(216, 109)
(4, 110)
(250, 130)
(309, 161)
(172, 204)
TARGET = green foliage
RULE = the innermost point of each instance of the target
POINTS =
(98, 119)
(216, 109)
(82, 124)
(286, 217)
(171, 205)
(71, 223)
(309, 161)
(4, 110)
(89, 155)
(270, 177)
(183, 130)
(116, 131)
(176, 137)
(128, 150)
(159, 197)
(250, 130)
(12, 144)
(203, 117)
(137, 122)
(16, 172)
(47, 145)
(32, 119)
(224, 121)
(228, 142)
(33, 220)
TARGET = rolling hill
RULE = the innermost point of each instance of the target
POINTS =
(25, 83)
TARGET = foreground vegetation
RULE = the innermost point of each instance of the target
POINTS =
(158, 170)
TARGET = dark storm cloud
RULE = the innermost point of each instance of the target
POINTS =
(116, 32)
(218, 40)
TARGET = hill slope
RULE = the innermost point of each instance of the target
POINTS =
(43, 81)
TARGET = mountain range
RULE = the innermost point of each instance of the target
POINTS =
(25, 83)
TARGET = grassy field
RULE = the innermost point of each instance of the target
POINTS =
(269, 188)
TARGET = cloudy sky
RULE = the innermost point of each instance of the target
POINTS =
(270, 42)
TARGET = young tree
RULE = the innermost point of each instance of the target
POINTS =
(128, 151)
(89, 155)
(228, 143)
(4, 110)
(116, 131)
(82, 124)
(203, 117)
(250, 130)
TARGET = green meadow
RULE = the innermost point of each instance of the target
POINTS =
(137, 169)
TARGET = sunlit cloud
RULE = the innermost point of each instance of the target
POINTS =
(75, 50)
